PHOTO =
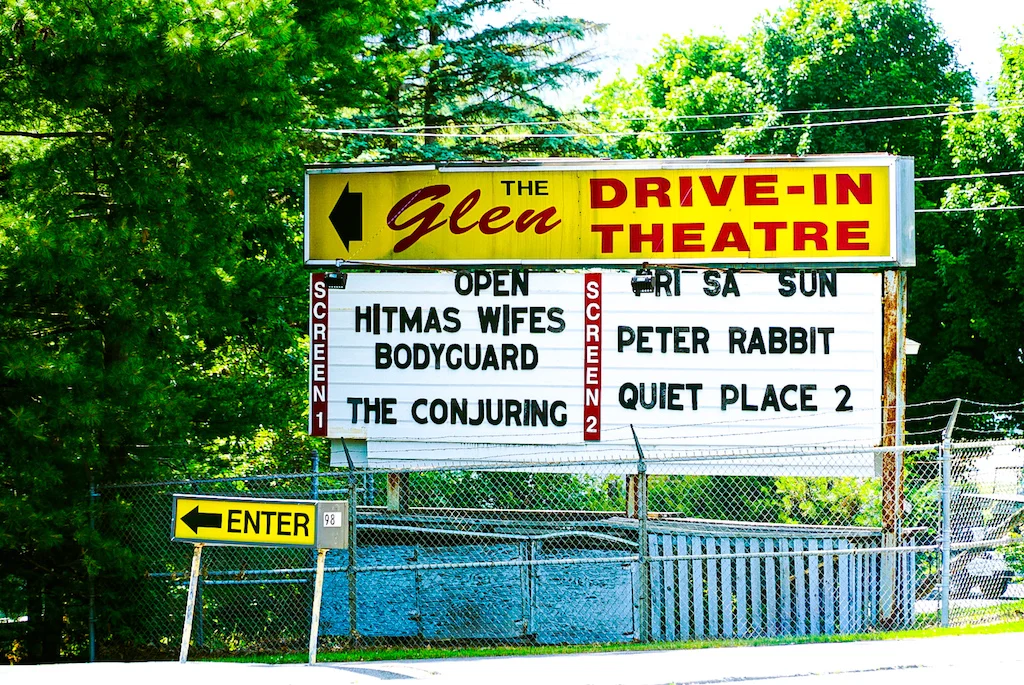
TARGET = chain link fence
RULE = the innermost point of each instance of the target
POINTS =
(600, 553)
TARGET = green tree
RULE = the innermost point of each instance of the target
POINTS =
(726, 498)
(966, 293)
(795, 84)
(837, 54)
(452, 68)
(665, 110)
(152, 305)
(829, 501)
(789, 75)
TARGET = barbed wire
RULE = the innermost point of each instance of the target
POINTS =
(941, 210)
(760, 421)
(958, 177)
(992, 404)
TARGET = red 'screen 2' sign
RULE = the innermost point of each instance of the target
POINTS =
(592, 357)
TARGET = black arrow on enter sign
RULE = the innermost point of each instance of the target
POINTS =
(196, 520)
(347, 217)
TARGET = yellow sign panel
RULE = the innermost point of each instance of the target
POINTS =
(242, 521)
(843, 209)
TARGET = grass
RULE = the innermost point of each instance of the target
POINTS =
(428, 652)
(1004, 611)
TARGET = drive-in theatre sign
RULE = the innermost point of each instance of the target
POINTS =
(517, 365)
(720, 210)
(661, 317)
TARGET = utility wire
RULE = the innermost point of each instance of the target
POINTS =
(683, 117)
(408, 132)
(419, 128)
(411, 131)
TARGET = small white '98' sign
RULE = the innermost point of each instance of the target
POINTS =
(332, 519)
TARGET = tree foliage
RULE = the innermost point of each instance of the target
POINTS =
(966, 295)
(151, 300)
(789, 76)
(449, 69)
(834, 54)
(152, 305)
(675, 99)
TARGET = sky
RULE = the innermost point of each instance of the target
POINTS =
(974, 27)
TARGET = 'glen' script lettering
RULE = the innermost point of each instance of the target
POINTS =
(422, 212)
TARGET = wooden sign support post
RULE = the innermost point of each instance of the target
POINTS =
(190, 605)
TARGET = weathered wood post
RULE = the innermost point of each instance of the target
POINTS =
(190, 603)
(894, 385)
(398, 492)
(318, 593)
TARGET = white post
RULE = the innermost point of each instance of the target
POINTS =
(318, 593)
(190, 605)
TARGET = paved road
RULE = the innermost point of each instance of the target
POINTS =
(965, 659)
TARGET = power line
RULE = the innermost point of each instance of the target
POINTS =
(411, 131)
(966, 176)
(641, 134)
(679, 117)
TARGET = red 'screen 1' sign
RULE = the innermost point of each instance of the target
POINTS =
(318, 356)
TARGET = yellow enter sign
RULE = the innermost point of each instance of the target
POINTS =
(244, 521)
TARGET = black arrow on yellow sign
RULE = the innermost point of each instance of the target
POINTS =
(196, 519)
(347, 217)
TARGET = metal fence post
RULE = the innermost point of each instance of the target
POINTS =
(314, 493)
(353, 614)
(642, 548)
(944, 453)
(315, 457)
(92, 580)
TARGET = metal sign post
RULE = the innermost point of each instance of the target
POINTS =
(332, 532)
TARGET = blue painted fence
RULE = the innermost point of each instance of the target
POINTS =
(407, 588)
(771, 584)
